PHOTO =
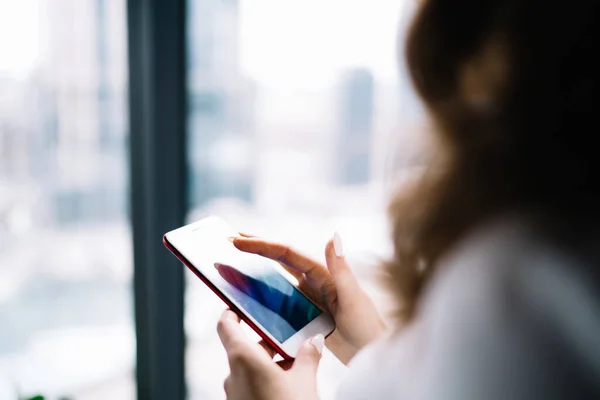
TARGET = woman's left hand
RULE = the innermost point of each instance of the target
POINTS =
(255, 376)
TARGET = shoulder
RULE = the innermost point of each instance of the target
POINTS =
(509, 309)
(509, 268)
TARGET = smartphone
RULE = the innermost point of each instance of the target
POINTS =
(253, 286)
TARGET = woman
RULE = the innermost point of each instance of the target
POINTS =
(496, 246)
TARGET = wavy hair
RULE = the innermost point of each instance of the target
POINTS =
(511, 88)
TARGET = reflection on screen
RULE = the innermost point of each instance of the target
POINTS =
(267, 294)
(251, 282)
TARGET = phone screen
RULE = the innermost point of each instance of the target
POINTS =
(251, 282)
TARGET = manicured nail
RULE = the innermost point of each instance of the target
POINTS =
(337, 245)
(231, 238)
(318, 341)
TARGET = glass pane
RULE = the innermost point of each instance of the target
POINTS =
(301, 124)
(65, 241)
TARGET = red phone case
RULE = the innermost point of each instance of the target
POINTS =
(225, 299)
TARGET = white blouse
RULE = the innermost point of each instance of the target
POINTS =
(506, 317)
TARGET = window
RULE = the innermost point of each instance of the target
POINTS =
(293, 107)
(65, 245)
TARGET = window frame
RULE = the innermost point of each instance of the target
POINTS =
(157, 63)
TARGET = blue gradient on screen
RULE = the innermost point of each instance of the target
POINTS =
(271, 300)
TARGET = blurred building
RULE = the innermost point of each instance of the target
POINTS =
(353, 152)
(221, 103)
(84, 74)
(64, 131)
(63, 187)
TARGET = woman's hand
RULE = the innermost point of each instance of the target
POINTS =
(334, 287)
(254, 375)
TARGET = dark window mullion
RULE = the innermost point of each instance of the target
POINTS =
(157, 76)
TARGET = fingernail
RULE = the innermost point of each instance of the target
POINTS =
(318, 341)
(231, 238)
(337, 245)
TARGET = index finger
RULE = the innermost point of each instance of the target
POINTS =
(285, 254)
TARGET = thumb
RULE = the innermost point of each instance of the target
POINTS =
(308, 357)
(341, 273)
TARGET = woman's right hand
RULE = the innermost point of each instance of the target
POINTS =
(334, 287)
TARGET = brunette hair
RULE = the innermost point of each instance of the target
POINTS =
(511, 88)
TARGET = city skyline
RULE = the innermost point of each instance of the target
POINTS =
(264, 155)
